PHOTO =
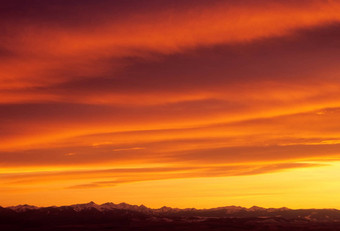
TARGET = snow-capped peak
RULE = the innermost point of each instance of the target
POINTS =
(23, 208)
(90, 205)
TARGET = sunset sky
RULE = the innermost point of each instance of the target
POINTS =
(184, 103)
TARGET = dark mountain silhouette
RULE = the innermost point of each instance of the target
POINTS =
(110, 216)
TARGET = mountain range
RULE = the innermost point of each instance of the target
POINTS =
(111, 216)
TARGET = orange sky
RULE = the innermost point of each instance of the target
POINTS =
(169, 102)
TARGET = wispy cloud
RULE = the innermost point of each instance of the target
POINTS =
(252, 87)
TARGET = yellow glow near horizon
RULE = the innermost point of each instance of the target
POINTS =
(298, 188)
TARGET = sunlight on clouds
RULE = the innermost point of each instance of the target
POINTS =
(195, 104)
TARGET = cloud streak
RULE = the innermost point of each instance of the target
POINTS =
(98, 94)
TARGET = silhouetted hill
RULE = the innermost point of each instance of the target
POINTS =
(110, 216)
